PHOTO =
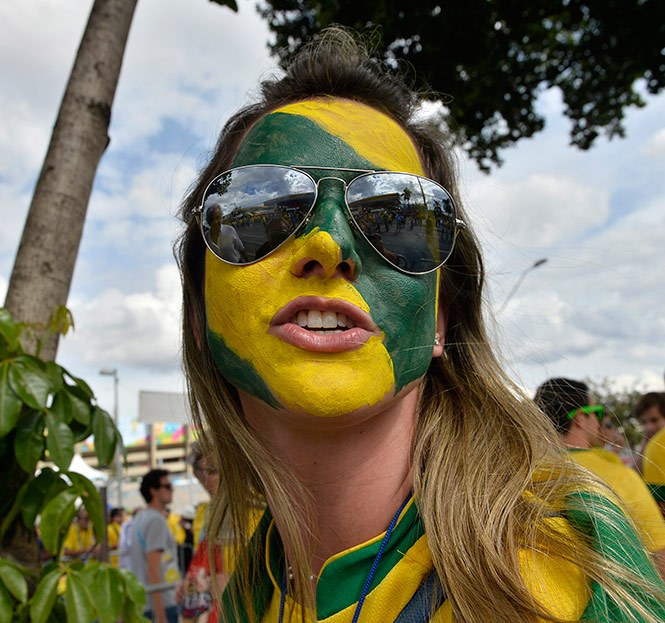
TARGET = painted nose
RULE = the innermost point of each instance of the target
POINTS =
(330, 245)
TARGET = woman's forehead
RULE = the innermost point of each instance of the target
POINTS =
(333, 131)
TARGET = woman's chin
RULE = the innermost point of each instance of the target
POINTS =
(331, 412)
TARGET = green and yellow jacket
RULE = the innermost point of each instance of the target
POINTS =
(406, 589)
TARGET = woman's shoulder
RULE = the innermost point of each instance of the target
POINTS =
(559, 581)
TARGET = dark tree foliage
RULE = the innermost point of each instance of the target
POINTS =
(488, 60)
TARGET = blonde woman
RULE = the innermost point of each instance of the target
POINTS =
(345, 375)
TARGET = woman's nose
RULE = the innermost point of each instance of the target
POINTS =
(329, 248)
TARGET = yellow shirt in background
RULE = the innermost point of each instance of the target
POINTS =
(653, 465)
(199, 522)
(173, 521)
(113, 537)
(78, 539)
(631, 490)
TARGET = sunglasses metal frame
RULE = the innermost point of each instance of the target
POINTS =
(459, 223)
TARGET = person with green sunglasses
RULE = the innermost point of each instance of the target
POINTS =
(570, 406)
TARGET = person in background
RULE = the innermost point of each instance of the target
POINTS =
(650, 411)
(154, 553)
(615, 443)
(577, 418)
(209, 479)
(80, 539)
(116, 519)
(125, 541)
(194, 592)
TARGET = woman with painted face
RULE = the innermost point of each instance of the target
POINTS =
(341, 371)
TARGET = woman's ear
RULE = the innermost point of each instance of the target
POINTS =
(440, 336)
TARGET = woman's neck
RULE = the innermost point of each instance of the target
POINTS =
(357, 473)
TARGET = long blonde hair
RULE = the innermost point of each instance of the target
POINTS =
(480, 449)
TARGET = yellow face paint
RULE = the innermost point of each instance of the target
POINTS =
(324, 384)
(365, 129)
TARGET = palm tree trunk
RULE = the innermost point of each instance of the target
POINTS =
(44, 264)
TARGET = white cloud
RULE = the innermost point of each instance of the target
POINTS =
(655, 146)
(537, 210)
(139, 329)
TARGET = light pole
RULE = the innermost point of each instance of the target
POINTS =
(118, 469)
(519, 281)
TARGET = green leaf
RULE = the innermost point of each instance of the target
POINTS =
(42, 601)
(89, 572)
(133, 587)
(55, 374)
(14, 581)
(78, 599)
(6, 605)
(10, 404)
(29, 380)
(59, 441)
(80, 404)
(29, 441)
(61, 407)
(9, 330)
(56, 518)
(108, 588)
(82, 385)
(61, 320)
(92, 502)
(40, 491)
(105, 436)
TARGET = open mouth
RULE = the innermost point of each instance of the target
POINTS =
(325, 322)
(323, 325)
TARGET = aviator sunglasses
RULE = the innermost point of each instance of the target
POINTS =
(250, 211)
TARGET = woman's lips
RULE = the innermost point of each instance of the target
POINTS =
(323, 325)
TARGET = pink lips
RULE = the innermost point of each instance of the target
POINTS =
(282, 326)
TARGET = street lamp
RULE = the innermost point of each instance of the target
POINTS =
(118, 473)
(519, 281)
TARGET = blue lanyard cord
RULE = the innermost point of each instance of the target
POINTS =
(375, 564)
(282, 598)
(372, 571)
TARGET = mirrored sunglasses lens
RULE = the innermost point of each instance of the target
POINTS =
(250, 211)
(408, 219)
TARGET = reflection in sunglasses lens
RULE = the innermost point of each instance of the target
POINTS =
(249, 212)
(407, 219)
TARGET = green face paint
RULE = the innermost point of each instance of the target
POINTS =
(243, 302)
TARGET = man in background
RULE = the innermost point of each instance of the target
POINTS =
(154, 553)
(80, 539)
(650, 411)
(570, 406)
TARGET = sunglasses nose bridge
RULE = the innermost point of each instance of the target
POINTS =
(330, 216)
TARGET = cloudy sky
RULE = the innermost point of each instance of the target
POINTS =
(595, 308)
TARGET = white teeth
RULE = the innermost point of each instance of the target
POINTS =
(314, 319)
(329, 320)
